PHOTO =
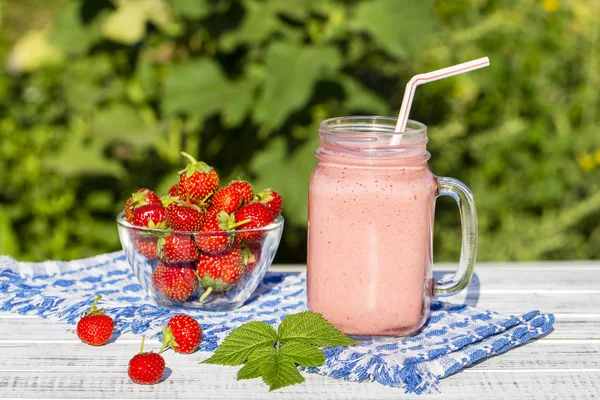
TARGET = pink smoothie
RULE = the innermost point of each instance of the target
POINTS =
(369, 245)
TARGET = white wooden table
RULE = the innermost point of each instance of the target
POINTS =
(43, 358)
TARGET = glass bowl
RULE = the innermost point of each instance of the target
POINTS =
(217, 281)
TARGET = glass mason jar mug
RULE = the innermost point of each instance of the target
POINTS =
(370, 227)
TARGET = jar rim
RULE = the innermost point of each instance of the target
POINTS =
(374, 131)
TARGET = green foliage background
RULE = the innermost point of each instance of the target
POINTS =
(99, 98)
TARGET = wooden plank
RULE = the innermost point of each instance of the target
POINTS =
(51, 356)
(561, 303)
(221, 384)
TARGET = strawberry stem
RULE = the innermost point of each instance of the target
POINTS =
(96, 302)
(233, 226)
(203, 201)
(142, 346)
(206, 293)
(189, 157)
(93, 309)
(168, 339)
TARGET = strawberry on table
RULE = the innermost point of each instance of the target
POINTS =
(220, 273)
(95, 327)
(272, 200)
(177, 248)
(227, 199)
(245, 190)
(182, 333)
(198, 179)
(214, 237)
(146, 368)
(259, 216)
(176, 282)
(139, 198)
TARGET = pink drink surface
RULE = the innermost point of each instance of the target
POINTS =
(369, 247)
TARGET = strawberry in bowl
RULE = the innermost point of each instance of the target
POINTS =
(201, 246)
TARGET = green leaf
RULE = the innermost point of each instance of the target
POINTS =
(71, 34)
(199, 88)
(127, 24)
(192, 9)
(259, 23)
(362, 100)
(400, 27)
(252, 368)
(303, 354)
(279, 371)
(301, 8)
(293, 71)
(32, 51)
(121, 122)
(242, 341)
(311, 328)
(76, 159)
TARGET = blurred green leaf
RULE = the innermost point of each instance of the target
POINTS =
(8, 239)
(32, 51)
(200, 88)
(361, 99)
(193, 9)
(122, 122)
(127, 24)
(99, 200)
(287, 173)
(292, 69)
(259, 23)
(400, 27)
(77, 159)
(73, 35)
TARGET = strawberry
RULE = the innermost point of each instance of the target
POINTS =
(220, 273)
(198, 179)
(146, 368)
(227, 199)
(177, 249)
(145, 245)
(183, 334)
(259, 216)
(214, 238)
(95, 327)
(272, 200)
(150, 216)
(251, 254)
(176, 282)
(137, 199)
(245, 190)
(182, 216)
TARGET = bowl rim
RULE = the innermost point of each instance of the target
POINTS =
(277, 224)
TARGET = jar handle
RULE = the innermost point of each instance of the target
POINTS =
(468, 220)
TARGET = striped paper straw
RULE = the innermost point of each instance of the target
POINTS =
(420, 79)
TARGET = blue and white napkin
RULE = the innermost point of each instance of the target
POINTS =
(455, 336)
